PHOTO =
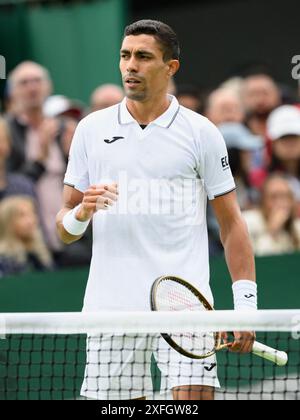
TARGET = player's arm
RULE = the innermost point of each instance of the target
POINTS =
(79, 208)
(240, 260)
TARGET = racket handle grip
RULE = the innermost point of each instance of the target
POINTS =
(280, 358)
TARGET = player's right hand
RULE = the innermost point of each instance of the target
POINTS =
(97, 197)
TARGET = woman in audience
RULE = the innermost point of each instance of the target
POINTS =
(22, 247)
(274, 227)
(284, 130)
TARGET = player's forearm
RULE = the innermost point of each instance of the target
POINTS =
(238, 251)
(65, 236)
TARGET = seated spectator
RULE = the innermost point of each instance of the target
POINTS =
(223, 105)
(260, 96)
(69, 113)
(63, 107)
(234, 84)
(105, 96)
(284, 131)
(11, 183)
(274, 228)
(37, 149)
(241, 145)
(22, 247)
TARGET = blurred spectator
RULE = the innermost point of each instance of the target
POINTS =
(61, 106)
(274, 228)
(105, 96)
(234, 85)
(241, 145)
(11, 183)
(69, 113)
(260, 96)
(223, 106)
(284, 130)
(37, 149)
(22, 246)
(189, 97)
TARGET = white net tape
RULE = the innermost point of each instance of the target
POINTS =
(150, 322)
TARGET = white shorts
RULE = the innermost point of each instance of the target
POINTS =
(121, 368)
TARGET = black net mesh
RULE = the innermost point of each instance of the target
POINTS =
(120, 367)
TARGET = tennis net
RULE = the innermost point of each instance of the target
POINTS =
(121, 356)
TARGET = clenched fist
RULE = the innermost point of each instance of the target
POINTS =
(97, 197)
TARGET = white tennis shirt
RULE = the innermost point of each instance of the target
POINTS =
(165, 174)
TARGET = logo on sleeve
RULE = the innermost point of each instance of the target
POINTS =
(225, 163)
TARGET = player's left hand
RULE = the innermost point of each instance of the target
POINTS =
(243, 342)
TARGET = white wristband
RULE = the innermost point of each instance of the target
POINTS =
(72, 225)
(245, 295)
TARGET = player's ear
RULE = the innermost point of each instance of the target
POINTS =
(173, 67)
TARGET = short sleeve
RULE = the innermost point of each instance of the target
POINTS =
(214, 168)
(77, 174)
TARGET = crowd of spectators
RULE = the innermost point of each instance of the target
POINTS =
(259, 122)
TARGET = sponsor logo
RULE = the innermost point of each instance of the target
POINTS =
(225, 163)
(114, 139)
(211, 367)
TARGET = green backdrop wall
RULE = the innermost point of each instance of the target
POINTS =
(79, 43)
(63, 291)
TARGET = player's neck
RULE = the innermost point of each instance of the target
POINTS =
(146, 112)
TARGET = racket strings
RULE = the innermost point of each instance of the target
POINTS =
(172, 296)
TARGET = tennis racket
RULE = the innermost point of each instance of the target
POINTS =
(171, 293)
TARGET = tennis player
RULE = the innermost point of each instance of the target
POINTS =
(142, 171)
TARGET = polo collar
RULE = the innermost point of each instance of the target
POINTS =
(165, 120)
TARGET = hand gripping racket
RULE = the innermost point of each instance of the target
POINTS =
(171, 293)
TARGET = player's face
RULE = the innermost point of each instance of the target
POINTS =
(144, 72)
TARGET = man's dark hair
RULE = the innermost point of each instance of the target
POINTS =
(163, 34)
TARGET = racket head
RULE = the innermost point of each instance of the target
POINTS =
(171, 293)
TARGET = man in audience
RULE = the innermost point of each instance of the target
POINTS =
(105, 96)
(36, 141)
(223, 106)
(260, 96)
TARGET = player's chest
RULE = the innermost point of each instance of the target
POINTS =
(154, 153)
